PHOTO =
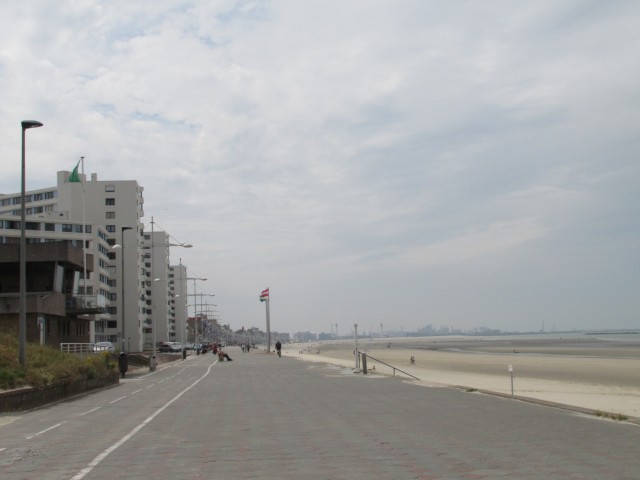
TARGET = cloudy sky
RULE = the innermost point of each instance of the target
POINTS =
(396, 162)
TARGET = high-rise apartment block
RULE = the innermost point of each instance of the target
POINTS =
(123, 274)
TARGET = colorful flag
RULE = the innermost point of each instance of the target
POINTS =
(74, 177)
(264, 296)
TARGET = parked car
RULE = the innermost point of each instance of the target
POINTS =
(170, 347)
(104, 347)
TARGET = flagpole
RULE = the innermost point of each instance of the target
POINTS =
(84, 239)
(268, 328)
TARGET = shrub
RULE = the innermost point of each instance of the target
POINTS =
(47, 366)
(11, 378)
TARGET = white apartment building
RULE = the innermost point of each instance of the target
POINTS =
(156, 266)
(123, 275)
(178, 298)
(166, 292)
(108, 206)
(114, 204)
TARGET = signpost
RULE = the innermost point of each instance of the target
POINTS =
(510, 370)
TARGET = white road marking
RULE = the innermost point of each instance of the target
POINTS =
(90, 411)
(46, 430)
(137, 391)
(96, 461)
(117, 399)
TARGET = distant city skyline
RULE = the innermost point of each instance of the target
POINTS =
(406, 163)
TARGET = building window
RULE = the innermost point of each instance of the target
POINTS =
(112, 324)
(109, 201)
(111, 228)
(64, 328)
(50, 227)
(49, 195)
(67, 227)
(110, 215)
(110, 187)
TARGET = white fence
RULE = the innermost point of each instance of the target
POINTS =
(83, 348)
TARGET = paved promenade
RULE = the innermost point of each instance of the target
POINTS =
(284, 418)
(264, 417)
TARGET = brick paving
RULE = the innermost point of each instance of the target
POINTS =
(264, 417)
(285, 418)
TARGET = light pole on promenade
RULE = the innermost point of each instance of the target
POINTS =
(22, 321)
(195, 320)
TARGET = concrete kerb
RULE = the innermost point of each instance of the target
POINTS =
(547, 403)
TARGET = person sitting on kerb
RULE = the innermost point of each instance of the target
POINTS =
(222, 355)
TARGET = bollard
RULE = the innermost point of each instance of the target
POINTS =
(123, 363)
(364, 363)
(184, 353)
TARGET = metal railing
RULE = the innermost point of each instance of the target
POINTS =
(390, 366)
(83, 348)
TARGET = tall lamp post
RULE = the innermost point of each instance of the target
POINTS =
(202, 310)
(195, 319)
(22, 323)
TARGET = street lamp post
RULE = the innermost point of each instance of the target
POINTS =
(210, 333)
(202, 310)
(22, 323)
(195, 319)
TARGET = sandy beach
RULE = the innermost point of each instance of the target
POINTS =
(588, 372)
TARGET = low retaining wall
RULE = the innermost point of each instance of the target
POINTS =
(28, 398)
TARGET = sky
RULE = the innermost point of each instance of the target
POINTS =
(375, 162)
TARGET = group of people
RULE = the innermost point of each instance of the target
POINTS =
(222, 355)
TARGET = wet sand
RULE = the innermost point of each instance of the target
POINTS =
(597, 374)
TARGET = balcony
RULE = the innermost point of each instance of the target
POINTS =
(85, 304)
(49, 303)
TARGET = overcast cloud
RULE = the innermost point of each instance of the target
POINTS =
(398, 162)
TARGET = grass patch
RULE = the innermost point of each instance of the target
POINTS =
(612, 416)
(47, 366)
